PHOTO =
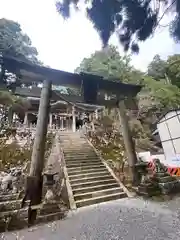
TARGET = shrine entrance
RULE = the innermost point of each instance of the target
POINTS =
(95, 90)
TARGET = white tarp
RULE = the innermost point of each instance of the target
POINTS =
(171, 161)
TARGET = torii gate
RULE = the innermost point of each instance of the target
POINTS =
(90, 86)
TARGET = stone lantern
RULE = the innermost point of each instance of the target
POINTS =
(49, 182)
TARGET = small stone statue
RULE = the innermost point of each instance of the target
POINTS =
(159, 167)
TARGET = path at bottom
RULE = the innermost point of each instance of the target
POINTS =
(125, 219)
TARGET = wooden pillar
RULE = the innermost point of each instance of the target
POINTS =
(128, 142)
(34, 180)
(50, 120)
(26, 119)
(56, 122)
(62, 122)
(73, 119)
(96, 114)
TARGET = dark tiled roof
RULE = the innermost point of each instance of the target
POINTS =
(33, 92)
(71, 99)
(28, 92)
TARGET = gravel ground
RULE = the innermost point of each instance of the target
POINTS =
(125, 219)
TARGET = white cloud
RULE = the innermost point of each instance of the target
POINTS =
(63, 45)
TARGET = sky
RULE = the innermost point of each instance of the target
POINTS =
(63, 44)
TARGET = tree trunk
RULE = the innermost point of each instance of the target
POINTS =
(128, 142)
(35, 178)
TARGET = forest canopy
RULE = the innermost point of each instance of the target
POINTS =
(15, 43)
(132, 20)
(160, 91)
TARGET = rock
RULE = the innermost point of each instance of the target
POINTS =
(16, 171)
(14, 190)
(9, 181)
(6, 182)
(10, 141)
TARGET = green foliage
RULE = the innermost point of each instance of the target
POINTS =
(10, 103)
(109, 64)
(6, 98)
(131, 20)
(154, 98)
(13, 155)
(155, 95)
(173, 69)
(157, 68)
(167, 71)
(158, 95)
(14, 42)
(9, 100)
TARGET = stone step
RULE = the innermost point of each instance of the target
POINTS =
(85, 167)
(76, 150)
(81, 150)
(49, 208)
(99, 193)
(100, 199)
(84, 171)
(80, 155)
(89, 164)
(159, 175)
(50, 217)
(92, 183)
(73, 139)
(82, 161)
(74, 146)
(95, 188)
(90, 179)
(8, 197)
(74, 135)
(165, 179)
(87, 175)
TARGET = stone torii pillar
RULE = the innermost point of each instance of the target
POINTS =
(128, 142)
(35, 178)
(73, 119)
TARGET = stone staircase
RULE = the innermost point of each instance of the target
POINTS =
(91, 181)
